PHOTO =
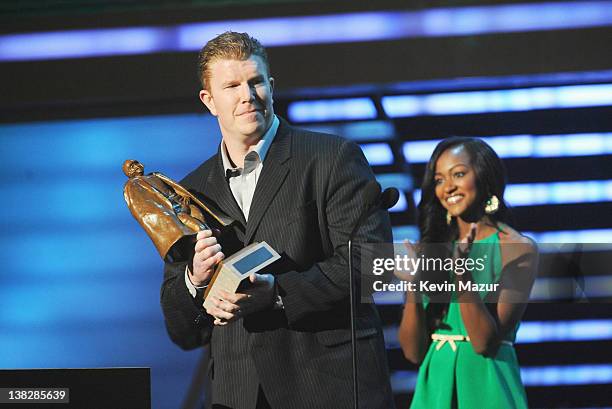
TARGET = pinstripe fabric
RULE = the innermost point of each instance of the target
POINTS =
(306, 200)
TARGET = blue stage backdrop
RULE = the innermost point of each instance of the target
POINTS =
(80, 284)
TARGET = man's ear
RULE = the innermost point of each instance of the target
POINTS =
(271, 88)
(208, 101)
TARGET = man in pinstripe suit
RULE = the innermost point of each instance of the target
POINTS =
(283, 341)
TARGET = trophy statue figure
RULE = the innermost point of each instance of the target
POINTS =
(169, 213)
(172, 217)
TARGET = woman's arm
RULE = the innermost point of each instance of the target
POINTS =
(413, 333)
(486, 332)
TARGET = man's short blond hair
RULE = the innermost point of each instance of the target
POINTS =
(228, 46)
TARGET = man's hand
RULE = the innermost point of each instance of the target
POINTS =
(207, 255)
(258, 295)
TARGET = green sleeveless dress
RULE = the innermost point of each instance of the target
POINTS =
(461, 378)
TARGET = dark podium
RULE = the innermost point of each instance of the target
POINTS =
(100, 388)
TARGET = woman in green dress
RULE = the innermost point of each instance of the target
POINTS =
(464, 344)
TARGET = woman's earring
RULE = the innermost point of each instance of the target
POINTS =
(449, 218)
(492, 205)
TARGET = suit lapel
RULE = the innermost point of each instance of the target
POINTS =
(273, 175)
(216, 187)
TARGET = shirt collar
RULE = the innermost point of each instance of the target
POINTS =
(261, 148)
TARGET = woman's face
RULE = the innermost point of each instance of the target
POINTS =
(455, 181)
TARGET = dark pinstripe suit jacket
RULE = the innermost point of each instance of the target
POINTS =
(306, 200)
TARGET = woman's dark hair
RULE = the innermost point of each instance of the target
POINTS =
(490, 176)
(490, 181)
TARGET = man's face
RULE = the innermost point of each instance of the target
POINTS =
(137, 168)
(240, 96)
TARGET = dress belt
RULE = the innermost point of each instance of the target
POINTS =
(451, 339)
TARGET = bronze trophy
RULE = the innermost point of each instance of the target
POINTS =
(169, 213)
(172, 217)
